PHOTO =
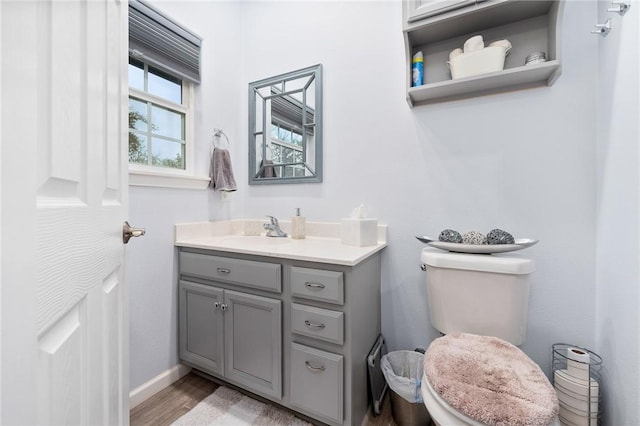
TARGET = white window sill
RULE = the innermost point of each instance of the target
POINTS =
(162, 180)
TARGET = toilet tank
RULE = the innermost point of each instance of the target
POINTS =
(484, 294)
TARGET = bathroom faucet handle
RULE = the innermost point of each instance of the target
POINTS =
(273, 228)
(274, 220)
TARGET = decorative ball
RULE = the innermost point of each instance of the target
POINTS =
(498, 236)
(450, 236)
(474, 237)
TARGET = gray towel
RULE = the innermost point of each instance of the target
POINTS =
(267, 170)
(221, 172)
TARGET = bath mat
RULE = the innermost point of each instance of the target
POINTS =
(490, 380)
(231, 408)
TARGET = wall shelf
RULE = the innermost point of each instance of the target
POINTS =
(514, 78)
(530, 26)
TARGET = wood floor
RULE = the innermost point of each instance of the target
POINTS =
(169, 404)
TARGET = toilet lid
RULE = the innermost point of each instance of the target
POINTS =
(490, 380)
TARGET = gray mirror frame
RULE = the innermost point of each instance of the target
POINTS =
(316, 71)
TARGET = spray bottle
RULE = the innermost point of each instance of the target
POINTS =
(417, 69)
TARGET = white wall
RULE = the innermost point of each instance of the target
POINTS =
(523, 161)
(618, 254)
(151, 272)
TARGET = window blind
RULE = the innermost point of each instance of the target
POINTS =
(163, 43)
(289, 109)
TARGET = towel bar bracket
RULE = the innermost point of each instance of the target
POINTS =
(603, 29)
(619, 7)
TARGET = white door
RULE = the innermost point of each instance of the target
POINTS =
(63, 85)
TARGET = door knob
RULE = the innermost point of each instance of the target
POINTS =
(128, 232)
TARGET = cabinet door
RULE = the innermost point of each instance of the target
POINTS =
(201, 326)
(253, 341)
(420, 9)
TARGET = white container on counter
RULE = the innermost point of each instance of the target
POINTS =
(359, 232)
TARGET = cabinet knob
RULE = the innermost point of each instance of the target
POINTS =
(216, 305)
(224, 306)
(314, 369)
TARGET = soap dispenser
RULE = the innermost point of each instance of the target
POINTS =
(298, 225)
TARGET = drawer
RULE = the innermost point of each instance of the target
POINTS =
(320, 323)
(317, 382)
(262, 275)
(316, 284)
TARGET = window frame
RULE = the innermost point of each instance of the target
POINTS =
(148, 175)
(281, 145)
(162, 43)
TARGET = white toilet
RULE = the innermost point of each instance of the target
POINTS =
(480, 302)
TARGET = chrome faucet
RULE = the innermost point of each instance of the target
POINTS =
(273, 228)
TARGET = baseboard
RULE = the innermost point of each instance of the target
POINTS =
(155, 385)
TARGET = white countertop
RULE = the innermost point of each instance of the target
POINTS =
(322, 244)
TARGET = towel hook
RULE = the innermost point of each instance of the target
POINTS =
(216, 134)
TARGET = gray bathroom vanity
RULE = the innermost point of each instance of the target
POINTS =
(289, 320)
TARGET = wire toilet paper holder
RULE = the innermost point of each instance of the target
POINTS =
(579, 370)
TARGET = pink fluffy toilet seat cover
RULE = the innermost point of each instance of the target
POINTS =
(490, 380)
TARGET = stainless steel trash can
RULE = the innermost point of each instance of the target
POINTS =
(407, 413)
(403, 372)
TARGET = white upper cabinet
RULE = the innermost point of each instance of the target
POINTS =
(420, 9)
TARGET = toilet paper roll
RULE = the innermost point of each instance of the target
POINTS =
(579, 387)
(568, 417)
(578, 362)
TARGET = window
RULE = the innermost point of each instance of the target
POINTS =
(158, 116)
(286, 148)
(164, 66)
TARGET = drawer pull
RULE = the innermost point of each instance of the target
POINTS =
(314, 286)
(224, 271)
(314, 369)
(314, 324)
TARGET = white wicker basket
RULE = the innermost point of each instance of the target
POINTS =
(489, 59)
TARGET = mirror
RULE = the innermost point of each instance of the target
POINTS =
(285, 128)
